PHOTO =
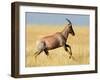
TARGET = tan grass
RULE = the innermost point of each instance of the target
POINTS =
(57, 57)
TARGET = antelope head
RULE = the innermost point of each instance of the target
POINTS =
(71, 31)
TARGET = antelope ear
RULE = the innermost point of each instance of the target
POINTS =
(69, 25)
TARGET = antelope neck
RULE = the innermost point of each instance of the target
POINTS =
(65, 33)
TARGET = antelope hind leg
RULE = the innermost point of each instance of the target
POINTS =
(37, 53)
(46, 52)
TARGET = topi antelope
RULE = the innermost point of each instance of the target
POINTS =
(56, 40)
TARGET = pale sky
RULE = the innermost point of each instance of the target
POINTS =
(56, 19)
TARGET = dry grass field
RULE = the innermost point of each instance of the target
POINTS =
(57, 57)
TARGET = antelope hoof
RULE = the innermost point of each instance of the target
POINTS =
(70, 57)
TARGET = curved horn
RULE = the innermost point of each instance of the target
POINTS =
(68, 21)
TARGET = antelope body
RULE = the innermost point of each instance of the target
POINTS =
(56, 40)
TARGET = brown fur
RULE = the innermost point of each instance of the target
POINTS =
(56, 40)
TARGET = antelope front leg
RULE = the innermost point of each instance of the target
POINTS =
(70, 52)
